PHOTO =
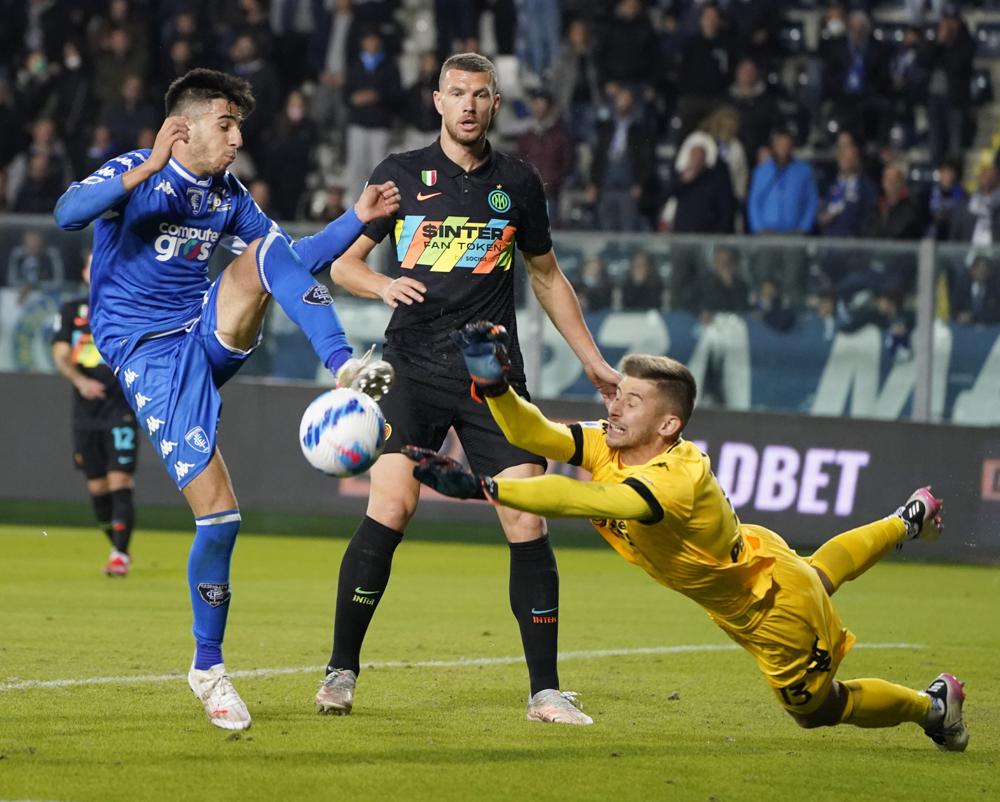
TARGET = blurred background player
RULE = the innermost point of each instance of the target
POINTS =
(104, 429)
(463, 208)
(174, 338)
(654, 498)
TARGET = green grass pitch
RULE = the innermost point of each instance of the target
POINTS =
(672, 723)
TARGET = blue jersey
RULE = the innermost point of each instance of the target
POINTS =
(149, 273)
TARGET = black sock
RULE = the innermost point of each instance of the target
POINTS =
(534, 600)
(102, 511)
(364, 574)
(122, 518)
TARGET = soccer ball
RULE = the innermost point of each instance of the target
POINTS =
(342, 432)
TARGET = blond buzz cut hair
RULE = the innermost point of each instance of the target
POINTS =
(672, 378)
(469, 62)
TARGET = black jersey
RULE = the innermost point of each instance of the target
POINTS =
(456, 232)
(73, 327)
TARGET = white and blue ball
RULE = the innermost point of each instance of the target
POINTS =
(342, 432)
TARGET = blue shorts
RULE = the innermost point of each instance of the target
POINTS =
(172, 383)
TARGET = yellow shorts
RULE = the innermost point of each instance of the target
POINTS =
(800, 641)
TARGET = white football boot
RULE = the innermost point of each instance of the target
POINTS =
(223, 705)
(948, 730)
(557, 707)
(336, 692)
(365, 376)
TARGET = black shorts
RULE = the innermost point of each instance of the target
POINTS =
(420, 414)
(98, 451)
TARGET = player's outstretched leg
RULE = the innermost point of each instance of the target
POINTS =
(371, 377)
(208, 579)
(850, 554)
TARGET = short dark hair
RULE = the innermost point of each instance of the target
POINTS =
(202, 84)
(470, 62)
(672, 379)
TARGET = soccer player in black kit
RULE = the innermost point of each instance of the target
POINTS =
(104, 429)
(464, 208)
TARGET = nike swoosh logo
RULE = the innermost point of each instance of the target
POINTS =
(542, 612)
(422, 197)
(361, 592)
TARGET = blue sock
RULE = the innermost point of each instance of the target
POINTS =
(208, 579)
(308, 303)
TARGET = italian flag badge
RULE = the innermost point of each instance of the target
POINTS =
(429, 177)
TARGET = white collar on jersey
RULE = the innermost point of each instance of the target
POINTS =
(176, 166)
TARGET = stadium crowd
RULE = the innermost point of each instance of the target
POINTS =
(665, 116)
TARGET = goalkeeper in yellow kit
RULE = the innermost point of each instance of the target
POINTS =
(654, 498)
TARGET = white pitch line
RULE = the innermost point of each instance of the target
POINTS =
(460, 662)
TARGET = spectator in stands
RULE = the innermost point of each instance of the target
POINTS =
(327, 203)
(33, 264)
(422, 121)
(536, 40)
(334, 43)
(899, 215)
(783, 197)
(756, 27)
(292, 23)
(770, 307)
(975, 298)
(373, 94)
(978, 219)
(857, 81)
(25, 168)
(594, 288)
(723, 126)
(575, 81)
(13, 137)
(908, 78)
(642, 287)
(757, 107)
(130, 114)
(896, 323)
(41, 188)
(852, 198)
(116, 59)
(248, 64)
(289, 156)
(99, 149)
(622, 169)
(705, 70)
(549, 147)
(701, 189)
(71, 100)
(260, 191)
(629, 50)
(782, 200)
(457, 23)
(950, 64)
(946, 196)
(723, 289)
(180, 58)
(34, 81)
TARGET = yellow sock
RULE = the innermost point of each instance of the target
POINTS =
(877, 703)
(850, 554)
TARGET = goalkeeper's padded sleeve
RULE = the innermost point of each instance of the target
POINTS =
(524, 425)
(324, 246)
(560, 496)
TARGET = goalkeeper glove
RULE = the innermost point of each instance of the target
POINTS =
(448, 477)
(484, 347)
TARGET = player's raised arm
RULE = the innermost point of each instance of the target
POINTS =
(556, 295)
(85, 201)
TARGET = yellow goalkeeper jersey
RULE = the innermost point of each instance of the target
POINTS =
(694, 541)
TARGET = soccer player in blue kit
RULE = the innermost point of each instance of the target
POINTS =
(173, 338)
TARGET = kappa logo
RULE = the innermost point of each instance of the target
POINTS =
(198, 440)
(130, 376)
(154, 424)
(165, 187)
(182, 468)
(318, 295)
(166, 447)
(214, 594)
(141, 400)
